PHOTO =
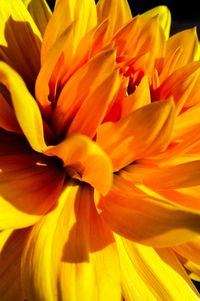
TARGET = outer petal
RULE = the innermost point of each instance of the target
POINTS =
(164, 17)
(145, 270)
(11, 247)
(19, 37)
(40, 13)
(29, 183)
(84, 160)
(188, 41)
(118, 12)
(65, 13)
(71, 254)
(144, 132)
(147, 218)
(26, 109)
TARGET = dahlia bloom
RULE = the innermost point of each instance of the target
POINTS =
(99, 153)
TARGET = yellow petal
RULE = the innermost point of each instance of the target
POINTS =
(26, 108)
(188, 41)
(40, 13)
(97, 104)
(144, 132)
(153, 268)
(11, 247)
(146, 218)
(78, 87)
(84, 160)
(29, 183)
(164, 17)
(65, 13)
(18, 32)
(118, 12)
(84, 264)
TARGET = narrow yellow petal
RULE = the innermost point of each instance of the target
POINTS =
(118, 12)
(26, 108)
(164, 17)
(40, 13)
(65, 13)
(84, 160)
(153, 267)
(84, 265)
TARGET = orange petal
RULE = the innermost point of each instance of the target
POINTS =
(190, 250)
(84, 160)
(79, 86)
(186, 123)
(118, 12)
(18, 32)
(84, 263)
(145, 270)
(146, 218)
(144, 132)
(11, 247)
(29, 183)
(97, 104)
(26, 109)
(188, 41)
(181, 85)
(59, 56)
(65, 13)
(173, 177)
(40, 13)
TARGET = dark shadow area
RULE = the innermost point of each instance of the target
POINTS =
(22, 51)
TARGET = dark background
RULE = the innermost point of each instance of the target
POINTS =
(185, 14)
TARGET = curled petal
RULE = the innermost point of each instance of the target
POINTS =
(84, 160)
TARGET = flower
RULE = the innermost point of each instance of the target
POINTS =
(99, 153)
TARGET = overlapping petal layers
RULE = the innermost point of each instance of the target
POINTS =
(99, 153)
